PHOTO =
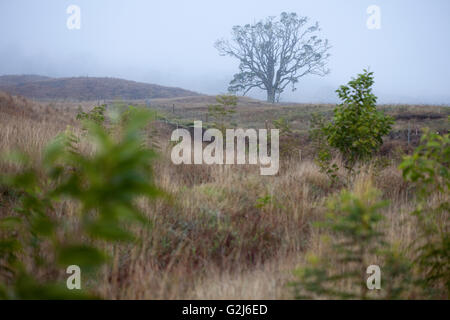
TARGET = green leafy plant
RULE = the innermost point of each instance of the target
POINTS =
(357, 128)
(428, 169)
(283, 125)
(103, 187)
(287, 137)
(357, 240)
(96, 115)
(222, 111)
(263, 201)
(398, 274)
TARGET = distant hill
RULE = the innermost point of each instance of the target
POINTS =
(86, 88)
(13, 80)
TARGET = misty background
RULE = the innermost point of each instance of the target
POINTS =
(171, 43)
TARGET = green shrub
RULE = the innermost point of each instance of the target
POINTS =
(357, 242)
(222, 111)
(283, 125)
(357, 239)
(288, 140)
(428, 169)
(96, 115)
(357, 128)
(103, 187)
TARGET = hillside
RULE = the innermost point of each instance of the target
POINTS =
(86, 88)
(14, 80)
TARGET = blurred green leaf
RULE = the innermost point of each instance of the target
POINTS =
(84, 256)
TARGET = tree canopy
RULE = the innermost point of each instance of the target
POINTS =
(274, 53)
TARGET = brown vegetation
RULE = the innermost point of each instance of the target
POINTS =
(227, 232)
(86, 88)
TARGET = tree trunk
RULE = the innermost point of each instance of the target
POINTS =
(271, 95)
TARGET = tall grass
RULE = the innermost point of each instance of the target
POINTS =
(225, 232)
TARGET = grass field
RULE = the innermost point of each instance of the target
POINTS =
(214, 239)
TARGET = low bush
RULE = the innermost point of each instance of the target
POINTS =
(39, 242)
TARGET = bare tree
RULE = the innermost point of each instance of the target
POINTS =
(274, 53)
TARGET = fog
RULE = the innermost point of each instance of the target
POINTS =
(171, 42)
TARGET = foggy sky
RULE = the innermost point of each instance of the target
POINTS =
(171, 42)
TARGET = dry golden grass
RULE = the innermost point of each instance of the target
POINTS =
(212, 241)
